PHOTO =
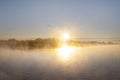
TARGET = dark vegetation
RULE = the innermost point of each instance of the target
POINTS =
(45, 43)
(29, 44)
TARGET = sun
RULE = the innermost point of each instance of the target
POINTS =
(65, 36)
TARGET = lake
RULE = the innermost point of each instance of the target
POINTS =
(101, 62)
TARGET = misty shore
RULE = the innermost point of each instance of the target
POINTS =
(47, 43)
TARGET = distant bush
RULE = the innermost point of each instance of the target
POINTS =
(44, 43)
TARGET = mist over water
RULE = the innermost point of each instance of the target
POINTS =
(59, 39)
(100, 62)
(114, 40)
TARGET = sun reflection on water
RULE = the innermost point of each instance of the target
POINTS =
(65, 52)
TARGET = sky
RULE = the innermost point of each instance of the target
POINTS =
(29, 19)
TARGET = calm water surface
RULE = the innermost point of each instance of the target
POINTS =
(65, 63)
